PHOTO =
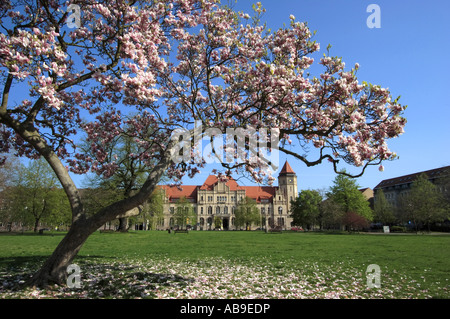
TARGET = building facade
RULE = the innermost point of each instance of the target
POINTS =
(215, 202)
(395, 189)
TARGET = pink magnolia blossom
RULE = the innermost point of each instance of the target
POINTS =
(146, 69)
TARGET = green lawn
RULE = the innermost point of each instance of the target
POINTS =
(237, 264)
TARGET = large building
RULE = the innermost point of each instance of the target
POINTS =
(395, 189)
(217, 201)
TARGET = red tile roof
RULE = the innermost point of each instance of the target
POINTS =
(187, 191)
(287, 169)
(258, 193)
(212, 180)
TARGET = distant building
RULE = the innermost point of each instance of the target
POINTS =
(215, 199)
(368, 194)
(396, 188)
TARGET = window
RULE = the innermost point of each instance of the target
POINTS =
(172, 210)
(263, 210)
(201, 211)
(217, 210)
(280, 210)
(225, 210)
(209, 210)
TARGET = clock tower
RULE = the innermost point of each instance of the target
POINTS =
(287, 183)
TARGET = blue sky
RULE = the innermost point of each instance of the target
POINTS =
(409, 54)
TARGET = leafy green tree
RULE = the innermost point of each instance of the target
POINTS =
(247, 213)
(345, 192)
(383, 211)
(59, 216)
(305, 208)
(425, 203)
(331, 214)
(217, 222)
(184, 213)
(35, 192)
(154, 209)
(443, 184)
(129, 176)
(10, 209)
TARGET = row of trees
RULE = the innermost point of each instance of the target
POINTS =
(30, 196)
(344, 205)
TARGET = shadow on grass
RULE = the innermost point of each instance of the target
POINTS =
(32, 234)
(100, 277)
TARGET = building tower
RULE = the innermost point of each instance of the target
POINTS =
(287, 182)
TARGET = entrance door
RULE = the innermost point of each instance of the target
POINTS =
(225, 223)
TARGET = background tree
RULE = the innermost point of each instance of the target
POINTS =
(345, 192)
(129, 175)
(425, 203)
(383, 211)
(443, 185)
(305, 208)
(247, 213)
(331, 214)
(154, 209)
(184, 213)
(353, 221)
(143, 67)
(217, 222)
(36, 193)
(59, 217)
(9, 174)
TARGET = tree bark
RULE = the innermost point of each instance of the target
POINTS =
(123, 225)
(54, 270)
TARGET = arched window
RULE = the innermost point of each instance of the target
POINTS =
(217, 210)
(225, 210)
(209, 210)
(202, 221)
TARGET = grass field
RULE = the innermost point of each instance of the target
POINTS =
(236, 264)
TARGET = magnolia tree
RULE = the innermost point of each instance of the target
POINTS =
(103, 69)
